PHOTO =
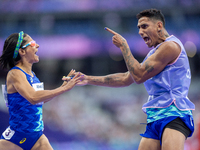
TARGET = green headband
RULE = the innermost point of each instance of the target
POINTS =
(19, 42)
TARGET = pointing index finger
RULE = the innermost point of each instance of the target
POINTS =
(111, 31)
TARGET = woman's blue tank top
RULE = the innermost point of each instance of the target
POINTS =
(25, 117)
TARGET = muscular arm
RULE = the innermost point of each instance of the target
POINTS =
(17, 82)
(164, 55)
(112, 80)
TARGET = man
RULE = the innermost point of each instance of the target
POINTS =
(165, 73)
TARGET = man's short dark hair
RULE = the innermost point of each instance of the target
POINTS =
(152, 14)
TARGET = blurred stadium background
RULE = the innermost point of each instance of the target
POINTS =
(71, 35)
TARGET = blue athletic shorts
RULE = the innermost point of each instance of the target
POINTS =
(155, 129)
(23, 140)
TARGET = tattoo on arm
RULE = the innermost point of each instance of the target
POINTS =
(97, 80)
(109, 80)
(148, 68)
(128, 57)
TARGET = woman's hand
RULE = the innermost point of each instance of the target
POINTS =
(69, 76)
(72, 74)
(70, 82)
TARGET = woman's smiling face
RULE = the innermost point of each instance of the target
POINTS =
(31, 50)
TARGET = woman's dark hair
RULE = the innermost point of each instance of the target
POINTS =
(152, 14)
(6, 60)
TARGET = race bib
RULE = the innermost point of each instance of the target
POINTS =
(8, 133)
(38, 87)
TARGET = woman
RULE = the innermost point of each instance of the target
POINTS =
(24, 95)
